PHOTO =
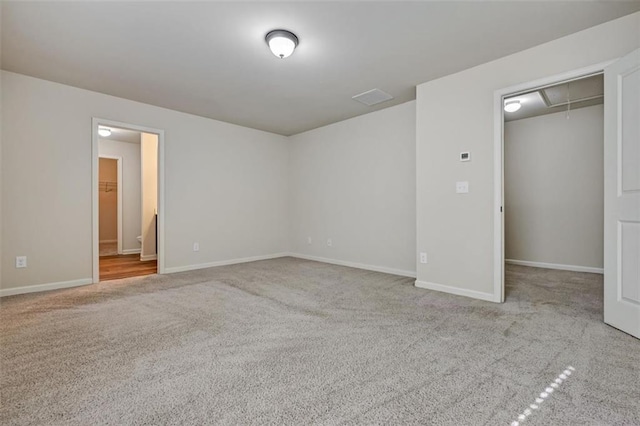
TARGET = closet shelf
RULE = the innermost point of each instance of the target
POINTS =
(105, 186)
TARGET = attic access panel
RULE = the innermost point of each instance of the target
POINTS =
(574, 91)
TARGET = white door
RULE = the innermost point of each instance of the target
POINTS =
(622, 194)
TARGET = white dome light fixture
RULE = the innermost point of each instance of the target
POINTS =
(512, 106)
(104, 131)
(281, 42)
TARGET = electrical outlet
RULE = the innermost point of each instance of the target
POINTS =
(329, 242)
(423, 257)
(196, 246)
(21, 261)
(308, 240)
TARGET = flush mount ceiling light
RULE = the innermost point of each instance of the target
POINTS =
(104, 131)
(512, 106)
(281, 42)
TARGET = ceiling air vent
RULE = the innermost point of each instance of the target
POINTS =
(372, 97)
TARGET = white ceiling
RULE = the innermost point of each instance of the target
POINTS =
(580, 93)
(123, 135)
(210, 58)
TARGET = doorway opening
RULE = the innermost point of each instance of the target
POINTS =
(533, 172)
(621, 183)
(127, 200)
(554, 182)
(554, 194)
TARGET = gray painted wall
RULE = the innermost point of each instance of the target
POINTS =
(226, 185)
(354, 182)
(554, 194)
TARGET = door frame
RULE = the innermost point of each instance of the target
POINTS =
(498, 160)
(119, 199)
(95, 122)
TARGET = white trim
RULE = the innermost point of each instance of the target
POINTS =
(44, 287)
(95, 207)
(575, 268)
(296, 255)
(160, 236)
(142, 187)
(131, 251)
(498, 161)
(175, 269)
(455, 290)
(498, 197)
(119, 195)
(383, 269)
(108, 241)
(148, 257)
(95, 121)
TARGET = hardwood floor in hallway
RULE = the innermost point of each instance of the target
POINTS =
(124, 266)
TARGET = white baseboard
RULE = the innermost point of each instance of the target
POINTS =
(131, 251)
(456, 290)
(148, 257)
(383, 269)
(44, 287)
(174, 269)
(108, 241)
(573, 268)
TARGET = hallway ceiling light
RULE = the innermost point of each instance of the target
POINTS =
(104, 131)
(512, 106)
(281, 42)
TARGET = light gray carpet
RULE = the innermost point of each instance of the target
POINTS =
(289, 341)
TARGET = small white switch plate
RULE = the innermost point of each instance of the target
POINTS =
(423, 257)
(329, 242)
(196, 246)
(308, 240)
(462, 187)
(21, 261)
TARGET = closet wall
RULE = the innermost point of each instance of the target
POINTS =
(108, 200)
